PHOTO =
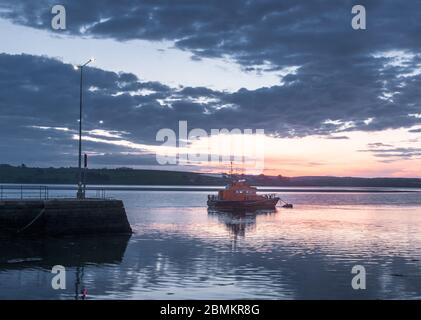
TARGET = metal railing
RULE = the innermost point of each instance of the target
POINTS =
(29, 192)
(23, 192)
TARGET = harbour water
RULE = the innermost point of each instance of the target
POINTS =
(179, 250)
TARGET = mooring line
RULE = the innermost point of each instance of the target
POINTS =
(33, 220)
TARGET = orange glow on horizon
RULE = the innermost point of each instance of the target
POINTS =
(363, 154)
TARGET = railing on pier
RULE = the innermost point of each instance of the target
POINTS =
(32, 192)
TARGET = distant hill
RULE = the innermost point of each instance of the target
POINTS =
(327, 181)
(120, 176)
(128, 176)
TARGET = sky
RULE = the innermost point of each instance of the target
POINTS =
(331, 100)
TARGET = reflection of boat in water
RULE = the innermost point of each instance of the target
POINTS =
(238, 195)
(238, 221)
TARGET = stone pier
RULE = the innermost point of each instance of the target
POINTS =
(62, 217)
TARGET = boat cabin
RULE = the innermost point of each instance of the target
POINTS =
(238, 191)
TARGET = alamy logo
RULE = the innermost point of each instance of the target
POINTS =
(218, 149)
(59, 280)
(59, 20)
(358, 22)
(358, 281)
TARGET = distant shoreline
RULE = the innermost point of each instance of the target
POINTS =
(192, 188)
(149, 179)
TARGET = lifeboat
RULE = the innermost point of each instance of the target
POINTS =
(238, 195)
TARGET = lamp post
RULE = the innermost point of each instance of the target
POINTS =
(80, 194)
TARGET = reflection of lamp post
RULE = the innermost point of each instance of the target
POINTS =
(80, 193)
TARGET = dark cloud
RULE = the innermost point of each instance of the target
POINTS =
(40, 108)
(281, 32)
(344, 82)
(44, 92)
(338, 79)
(389, 153)
(379, 145)
(337, 137)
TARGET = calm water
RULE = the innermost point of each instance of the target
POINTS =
(179, 250)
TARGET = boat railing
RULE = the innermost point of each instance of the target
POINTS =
(212, 197)
(270, 196)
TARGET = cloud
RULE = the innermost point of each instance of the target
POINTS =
(358, 80)
(390, 153)
(343, 80)
(337, 137)
(378, 145)
(39, 93)
(254, 32)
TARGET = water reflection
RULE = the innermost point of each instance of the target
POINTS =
(182, 251)
(21, 254)
(237, 222)
(71, 252)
